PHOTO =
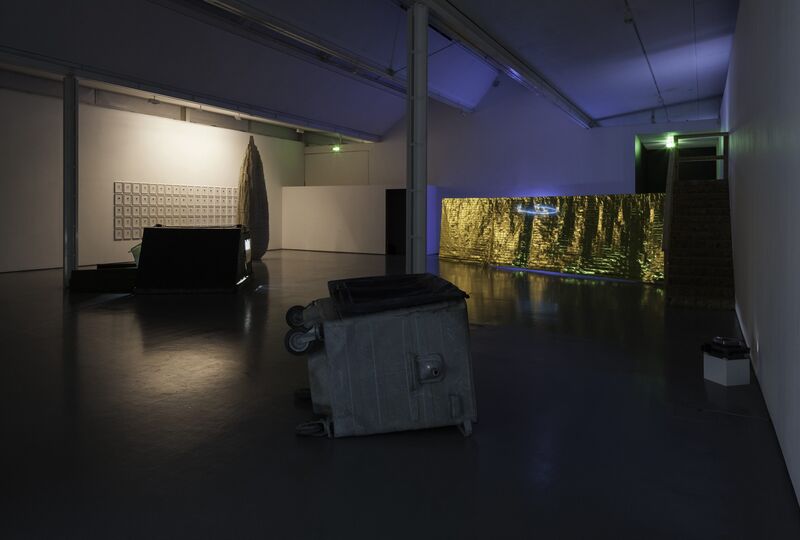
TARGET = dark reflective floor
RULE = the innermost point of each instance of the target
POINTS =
(173, 417)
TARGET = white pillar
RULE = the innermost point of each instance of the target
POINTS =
(70, 177)
(417, 138)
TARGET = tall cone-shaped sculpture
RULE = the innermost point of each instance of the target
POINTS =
(253, 204)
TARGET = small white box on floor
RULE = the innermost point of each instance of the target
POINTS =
(726, 371)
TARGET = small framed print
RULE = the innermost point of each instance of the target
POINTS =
(145, 211)
(126, 222)
(160, 200)
(118, 199)
(136, 199)
(136, 188)
(136, 222)
(165, 189)
(117, 234)
(127, 199)
(126, 234)
(145, 189)
(117, 211)
(136, 211)
(126, 210)
(126, 187)
(137, 233)
(118, 222)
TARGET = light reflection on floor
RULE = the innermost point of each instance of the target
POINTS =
(173, 416)
(502, 296)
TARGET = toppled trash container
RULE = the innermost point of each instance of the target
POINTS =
(726, 361)
(387, 353)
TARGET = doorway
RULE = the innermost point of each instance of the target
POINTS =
(395, 221)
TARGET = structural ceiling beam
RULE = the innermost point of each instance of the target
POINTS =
(449, 20)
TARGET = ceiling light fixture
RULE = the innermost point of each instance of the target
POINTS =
(670, 142)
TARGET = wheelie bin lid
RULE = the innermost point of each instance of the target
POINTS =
(359, 296)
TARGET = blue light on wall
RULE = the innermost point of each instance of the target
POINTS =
(538, 210)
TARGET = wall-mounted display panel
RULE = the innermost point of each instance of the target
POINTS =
(138, 205)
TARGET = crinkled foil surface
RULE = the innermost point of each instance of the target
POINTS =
(617, 236)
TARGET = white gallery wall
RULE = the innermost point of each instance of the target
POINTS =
(342, 218)
(327, 168)
(31, 182)
(761, 109)
(130, 147)
(114, 146)
(348, 219)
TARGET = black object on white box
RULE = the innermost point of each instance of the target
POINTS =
(726, 347)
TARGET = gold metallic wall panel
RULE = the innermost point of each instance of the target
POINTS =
(615, 236)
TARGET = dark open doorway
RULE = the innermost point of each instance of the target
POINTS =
(652, 162)
(395, 221)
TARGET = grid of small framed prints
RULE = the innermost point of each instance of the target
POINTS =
(139, 205)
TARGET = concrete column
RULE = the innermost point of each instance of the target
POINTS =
(417, 138)
(70, 177)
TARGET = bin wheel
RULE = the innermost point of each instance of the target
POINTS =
(296, 342)
(294, 316)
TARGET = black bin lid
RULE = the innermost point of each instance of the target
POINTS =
(729, 348)
(360, 296)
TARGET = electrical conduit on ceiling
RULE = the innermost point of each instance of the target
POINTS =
(630, 19)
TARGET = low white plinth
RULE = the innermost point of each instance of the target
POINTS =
(726, 372)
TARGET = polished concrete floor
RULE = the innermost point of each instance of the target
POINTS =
(173, 417)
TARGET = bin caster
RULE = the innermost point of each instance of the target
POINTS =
(294, 316)
(298, 340)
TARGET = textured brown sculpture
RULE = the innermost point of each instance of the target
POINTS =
(615, 236)
(253, 205)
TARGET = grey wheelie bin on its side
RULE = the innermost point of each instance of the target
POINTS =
(388, 353)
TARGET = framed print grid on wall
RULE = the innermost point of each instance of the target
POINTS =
(139, 205)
